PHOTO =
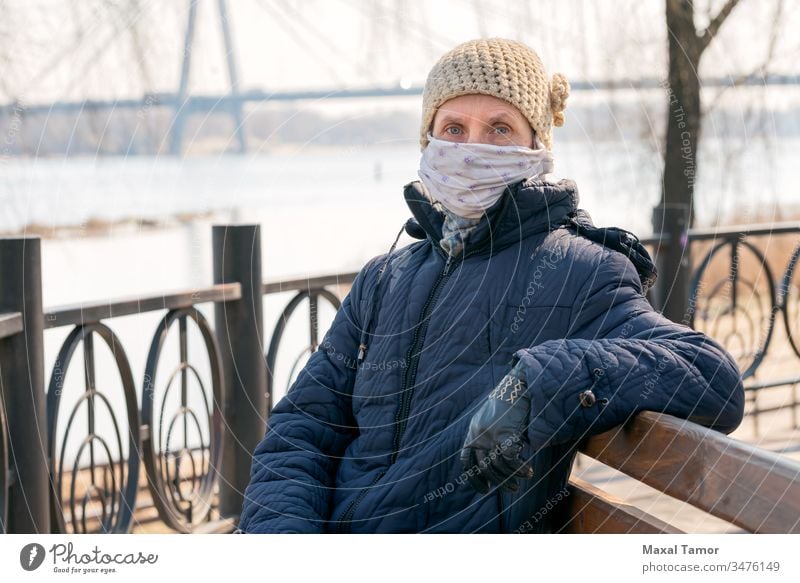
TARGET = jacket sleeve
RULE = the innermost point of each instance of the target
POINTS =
(293, 470)
(630, 356)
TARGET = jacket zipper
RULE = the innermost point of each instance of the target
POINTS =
(412, 358)
(344, 523)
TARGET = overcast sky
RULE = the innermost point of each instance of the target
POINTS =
(61, 50)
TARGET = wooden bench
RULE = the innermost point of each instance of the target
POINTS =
(751, 488)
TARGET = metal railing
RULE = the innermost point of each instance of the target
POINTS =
(96, 491)
(5, 482)
(10, 324)
(143, 422)
(314, 290)
(739, 297)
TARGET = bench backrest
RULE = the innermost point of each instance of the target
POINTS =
(754, 489)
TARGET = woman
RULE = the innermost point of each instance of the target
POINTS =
(462, 370)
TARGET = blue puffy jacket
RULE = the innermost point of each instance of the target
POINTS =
(372, 445)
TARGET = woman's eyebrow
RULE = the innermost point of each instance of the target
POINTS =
(450, 117)
(502, 116)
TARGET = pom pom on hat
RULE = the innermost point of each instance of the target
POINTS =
(559, 91)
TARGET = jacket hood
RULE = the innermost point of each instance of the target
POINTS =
(526, 207)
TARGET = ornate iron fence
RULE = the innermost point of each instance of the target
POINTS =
(10, 324)
(114, 492)
(102, 496)
(95, 487)
(741, 298)
(4, 471)
(183, 506)
(314, 289)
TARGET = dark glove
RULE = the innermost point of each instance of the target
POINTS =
(491, 452)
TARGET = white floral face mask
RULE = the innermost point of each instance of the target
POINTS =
(469, 178)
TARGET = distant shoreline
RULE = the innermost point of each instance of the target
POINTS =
(97, 227)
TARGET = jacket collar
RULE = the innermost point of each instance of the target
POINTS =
(526, 207)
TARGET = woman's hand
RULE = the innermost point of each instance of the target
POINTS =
(491, 453)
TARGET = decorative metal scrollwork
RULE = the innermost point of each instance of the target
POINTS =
(183, 476)
(3, 469)
(738, 310)
(106, 503)
(789, 300)
(313, 296)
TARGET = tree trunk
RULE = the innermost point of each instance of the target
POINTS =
(673, 216)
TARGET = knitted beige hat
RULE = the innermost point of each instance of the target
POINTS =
(502, 68)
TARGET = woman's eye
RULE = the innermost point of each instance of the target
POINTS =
(504, 129)
(457, 130)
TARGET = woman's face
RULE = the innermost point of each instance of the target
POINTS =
(481, 119)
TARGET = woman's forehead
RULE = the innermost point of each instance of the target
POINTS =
(484, 107)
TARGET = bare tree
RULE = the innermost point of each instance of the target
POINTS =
(674, 215)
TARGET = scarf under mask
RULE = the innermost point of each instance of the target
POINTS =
(468, 178)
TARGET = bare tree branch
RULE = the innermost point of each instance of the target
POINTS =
(761, 69)
(716, 23)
